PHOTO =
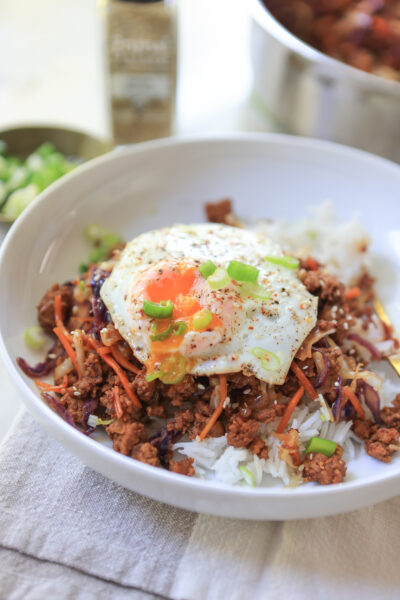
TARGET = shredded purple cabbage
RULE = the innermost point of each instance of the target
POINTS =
(58, 408)
(39, 370)
(363, 342)
(88, 409)
(99, 309)
(163, 441)
(371, 398)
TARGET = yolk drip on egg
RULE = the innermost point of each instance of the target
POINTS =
(176, 284)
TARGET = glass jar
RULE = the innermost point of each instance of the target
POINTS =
(141, 41)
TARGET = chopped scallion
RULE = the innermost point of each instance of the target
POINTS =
(152, 376)
(34, 337)
(163, 335)
(163, 310)
(219, 279)
(242, 272)
(202, 319)
(269, 360)
(180, 328)
(207, 268)
(172, 369)
(248, 476)
(321, 446)
(253, 290)
(289, 262)
(94, 421)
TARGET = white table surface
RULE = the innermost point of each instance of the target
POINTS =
(52, 72)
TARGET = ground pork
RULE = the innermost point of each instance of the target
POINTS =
(126, 436)
(269, 413)
(258, 447)
(383, 444)
(320, 283)
(145, 390)
(323, 469)
(179, 392)
(241, 432)
(146, 453)
(184, 467)
(240, 381)
(217, 212)
(202, 414)
(390, 415)
(363, 428)
(45, 307)
(181, 422)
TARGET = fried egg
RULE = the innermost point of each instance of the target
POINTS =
(254, 328)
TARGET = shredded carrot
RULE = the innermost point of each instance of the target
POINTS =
(304, 381)
(223, 390)
(311, 263)
(68, 348)
(58, 317)
(122, 360)
(350, 395)
(104, 352)
(48, 387)
(117, 403)
(352, 293)
(289, 410)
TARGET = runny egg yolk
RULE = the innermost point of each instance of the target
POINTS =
(175, 284)
(170, 283)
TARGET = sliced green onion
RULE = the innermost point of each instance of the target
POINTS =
(289, 262)
(34, 337)
(172, 369)
(152, 376)
(82, 285)
(219, 279)
(93, 421)
(158, 311)
(99, 254)
(242, 272)
(180, 328)
(321, 446)
(207, 268)
(255, 291)
(164, 335)
(269, 360)
(96, 234)
(202, 318)
(248, 476)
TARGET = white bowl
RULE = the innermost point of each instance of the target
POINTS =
(163, 182)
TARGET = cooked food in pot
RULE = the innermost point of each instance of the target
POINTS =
(364, 34)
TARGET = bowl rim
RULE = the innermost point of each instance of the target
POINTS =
(53, 126)
(267, 21)
(94, 449)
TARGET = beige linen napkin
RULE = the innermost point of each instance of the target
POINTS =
(68, 533)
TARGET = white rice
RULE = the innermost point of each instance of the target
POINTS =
(337, 244)
(340, 246)
(215, 459)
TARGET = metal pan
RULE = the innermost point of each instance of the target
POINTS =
(311, 94)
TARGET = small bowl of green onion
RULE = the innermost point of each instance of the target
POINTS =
(32, 158)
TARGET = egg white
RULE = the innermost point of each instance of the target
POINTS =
(278, 325)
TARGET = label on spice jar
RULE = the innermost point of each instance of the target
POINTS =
(140, 88)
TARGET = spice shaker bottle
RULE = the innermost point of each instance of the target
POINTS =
(141, 53)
